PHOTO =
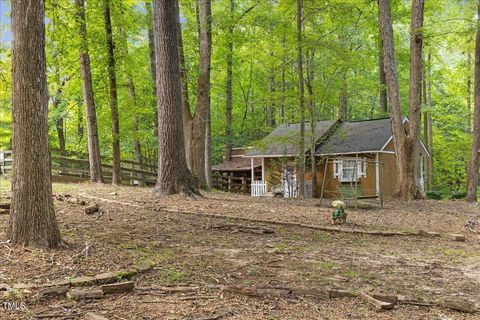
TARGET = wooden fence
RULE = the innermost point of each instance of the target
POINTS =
(231, 183)
(72, 169)
(6, 161)
(132, 173)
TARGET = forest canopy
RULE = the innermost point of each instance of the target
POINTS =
(341, 48)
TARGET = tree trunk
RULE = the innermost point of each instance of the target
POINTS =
(208, 152)
(186, 114)
(59, 124)
(469, 93)
(429, 119)
(173, 175)
(313, 121)
(80, 129)
(383, 99)
(88, 98)
(228, 86)
(301, 151)
(406, 143)
(202, 111)
(270, 117)
(132, 94)
(343, 109)
(32, 217)
(116, 170)
(151, 46)
(472, 183)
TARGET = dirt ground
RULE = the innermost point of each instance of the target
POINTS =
(191, 249)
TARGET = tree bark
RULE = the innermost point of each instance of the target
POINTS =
(469, 94)
(186, 113)
(132, 94)
(151, 46)
(116, 170)
(343, 109)
(200, 120)
(270, 117)
(59, 124)
(32, 217)
(228, 86)
(88, 98)
(301, 93)
(313, 121)
(383, 99)
(173, 174)
(406, 143)
(472, 183)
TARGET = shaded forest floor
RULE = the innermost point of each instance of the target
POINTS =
(189, 249)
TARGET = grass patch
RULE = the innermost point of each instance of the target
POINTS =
(325, 265)
(172, 276)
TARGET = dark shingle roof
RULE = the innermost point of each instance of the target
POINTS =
(285, 139)
(357, 136)
(238, 164)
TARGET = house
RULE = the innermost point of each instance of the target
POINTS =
(354, 159)
(235, 175)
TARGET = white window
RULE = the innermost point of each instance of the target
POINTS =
(347, 170)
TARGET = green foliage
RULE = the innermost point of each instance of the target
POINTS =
(458, 194)
(341, 54)
(434, 194)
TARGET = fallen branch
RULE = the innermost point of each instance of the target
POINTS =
(283, 223)
(379, 305)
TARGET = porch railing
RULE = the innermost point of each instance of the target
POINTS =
(259, 188)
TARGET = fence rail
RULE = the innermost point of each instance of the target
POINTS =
(6, 161)
(231, 183)
(132, 173)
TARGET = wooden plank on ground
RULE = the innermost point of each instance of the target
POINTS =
(379, 305)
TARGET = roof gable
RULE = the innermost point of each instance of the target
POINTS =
(357, 136)
(284, 140)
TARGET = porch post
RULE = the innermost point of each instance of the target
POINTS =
(253, 170)
(377, 175)
(263, 170)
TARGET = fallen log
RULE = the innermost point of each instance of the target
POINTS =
(283, 223)
(92, 208)
(244, 228)
(457, 237)
(379, 305)
(459, 305)
(118, 287)
(49, 292)
(93, 316)
(166, 289)
(84, 294)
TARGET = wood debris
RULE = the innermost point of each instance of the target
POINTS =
(378, 304)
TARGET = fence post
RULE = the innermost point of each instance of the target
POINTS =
(132, 174)
(244, 185)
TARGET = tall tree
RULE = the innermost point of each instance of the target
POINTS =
(229, 85)
(469, 93)
(301, 94)
(32, 217)
(383, 99)
(151, 50)
(199, 121)
(406, 141)
(88, 98)
(173, 174)
(472, 183)
(116, 170)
